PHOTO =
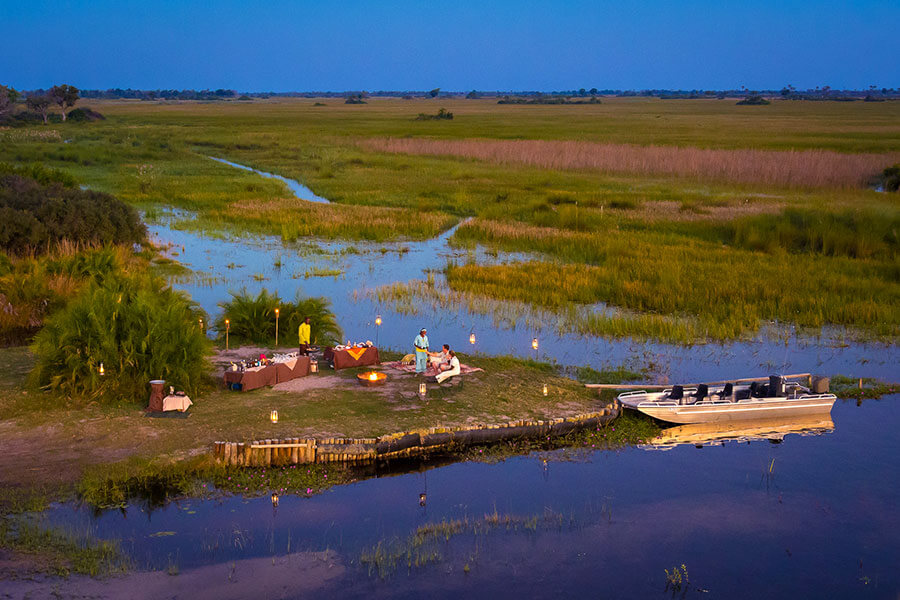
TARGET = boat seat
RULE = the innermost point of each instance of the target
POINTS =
(677, 393)
(727, 392)
(702, 392)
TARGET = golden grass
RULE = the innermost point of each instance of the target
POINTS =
(804, 168)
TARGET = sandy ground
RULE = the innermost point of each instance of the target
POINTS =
(292, 576)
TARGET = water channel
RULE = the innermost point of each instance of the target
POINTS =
(793, 516)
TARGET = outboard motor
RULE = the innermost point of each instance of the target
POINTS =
(776, 386)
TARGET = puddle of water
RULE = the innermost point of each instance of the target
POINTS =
(299, 190)
(810, 516)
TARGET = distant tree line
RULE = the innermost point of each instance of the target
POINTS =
(119, 93)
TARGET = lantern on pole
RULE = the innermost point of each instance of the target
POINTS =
(274, 499)
(227, 328)
(201, 324)
(472, 338)
(277, 312)
(377, 327)
(534, 343)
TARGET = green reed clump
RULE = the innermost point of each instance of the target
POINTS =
(854, 233)
(252, 319)
(849, 387)
(609, 375)
(136, 326)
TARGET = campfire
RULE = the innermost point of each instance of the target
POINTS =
(371, 378)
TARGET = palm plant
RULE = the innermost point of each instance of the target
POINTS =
(136, 327)
(252, 318)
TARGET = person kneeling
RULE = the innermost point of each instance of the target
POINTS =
(453, 370)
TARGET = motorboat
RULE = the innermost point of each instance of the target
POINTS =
(729, 402)
(717, 434)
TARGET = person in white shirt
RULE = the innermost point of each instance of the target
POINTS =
(440, 361)
(454, 369)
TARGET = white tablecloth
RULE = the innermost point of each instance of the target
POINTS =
(181, 403)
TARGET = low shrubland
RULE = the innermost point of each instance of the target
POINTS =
(38, 214)
(252, 319)
(136, 327)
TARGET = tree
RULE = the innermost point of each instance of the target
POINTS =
(593, 91)
(65, 96)
(433, 93)
(8, 99)
(39, 103)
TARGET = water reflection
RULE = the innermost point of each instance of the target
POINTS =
(708, 434)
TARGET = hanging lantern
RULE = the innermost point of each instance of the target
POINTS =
(422, 499)
(102, 370)
(545, 390)
(534, 343)
(274, 416)
(422, 389)
(378, 319)
(472, 338)
(274, 499)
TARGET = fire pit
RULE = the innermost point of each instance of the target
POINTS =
(371, 378)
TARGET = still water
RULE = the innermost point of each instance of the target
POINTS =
(810, 516)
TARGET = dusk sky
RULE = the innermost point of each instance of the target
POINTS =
(278, 45)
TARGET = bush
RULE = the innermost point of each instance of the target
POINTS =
(38, 212)
(137, 327)
(81, 115)
(253, 319)
(890, 179)
(753, 100)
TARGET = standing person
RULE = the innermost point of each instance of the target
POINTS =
(421, 344)
(304, 332)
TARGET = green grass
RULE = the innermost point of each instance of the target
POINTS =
(660, 235)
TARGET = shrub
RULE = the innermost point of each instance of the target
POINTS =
(753, 100)
(81, 115)
(137, 327)
(890, 179)
(37, 215)
(253, 319)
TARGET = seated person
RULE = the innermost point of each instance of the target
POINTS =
(453, 370)
(440, 361)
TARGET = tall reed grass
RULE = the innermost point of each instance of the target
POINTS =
(730, 291)
(805, 168)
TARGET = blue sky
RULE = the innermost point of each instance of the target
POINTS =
(279, 45)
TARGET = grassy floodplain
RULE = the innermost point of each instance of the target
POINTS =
(700, 231)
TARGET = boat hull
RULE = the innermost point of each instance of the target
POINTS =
(753, 408)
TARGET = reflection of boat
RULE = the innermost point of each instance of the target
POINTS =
(774, 430)
(728, 402)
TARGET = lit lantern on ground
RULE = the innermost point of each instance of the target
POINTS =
(274, 416)
(314, 367)
(544, 390)
(422, 389)
(102, 370)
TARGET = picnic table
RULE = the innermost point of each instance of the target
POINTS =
(351, 357)
(257, 377)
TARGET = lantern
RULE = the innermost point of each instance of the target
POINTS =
(534, 343)
(422, 499)
(274, 416)
(422, 389)
(314, 367)
(545, 390)
(227, 328)
(378, 319)
(472, 338)
(102, 370)
(274, 499)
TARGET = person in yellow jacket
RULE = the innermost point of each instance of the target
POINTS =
(304, 332)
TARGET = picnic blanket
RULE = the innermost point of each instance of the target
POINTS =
(398, 365)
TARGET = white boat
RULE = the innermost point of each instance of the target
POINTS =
(728, 402)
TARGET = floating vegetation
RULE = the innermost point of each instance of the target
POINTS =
(861, 388)
(319, 272)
